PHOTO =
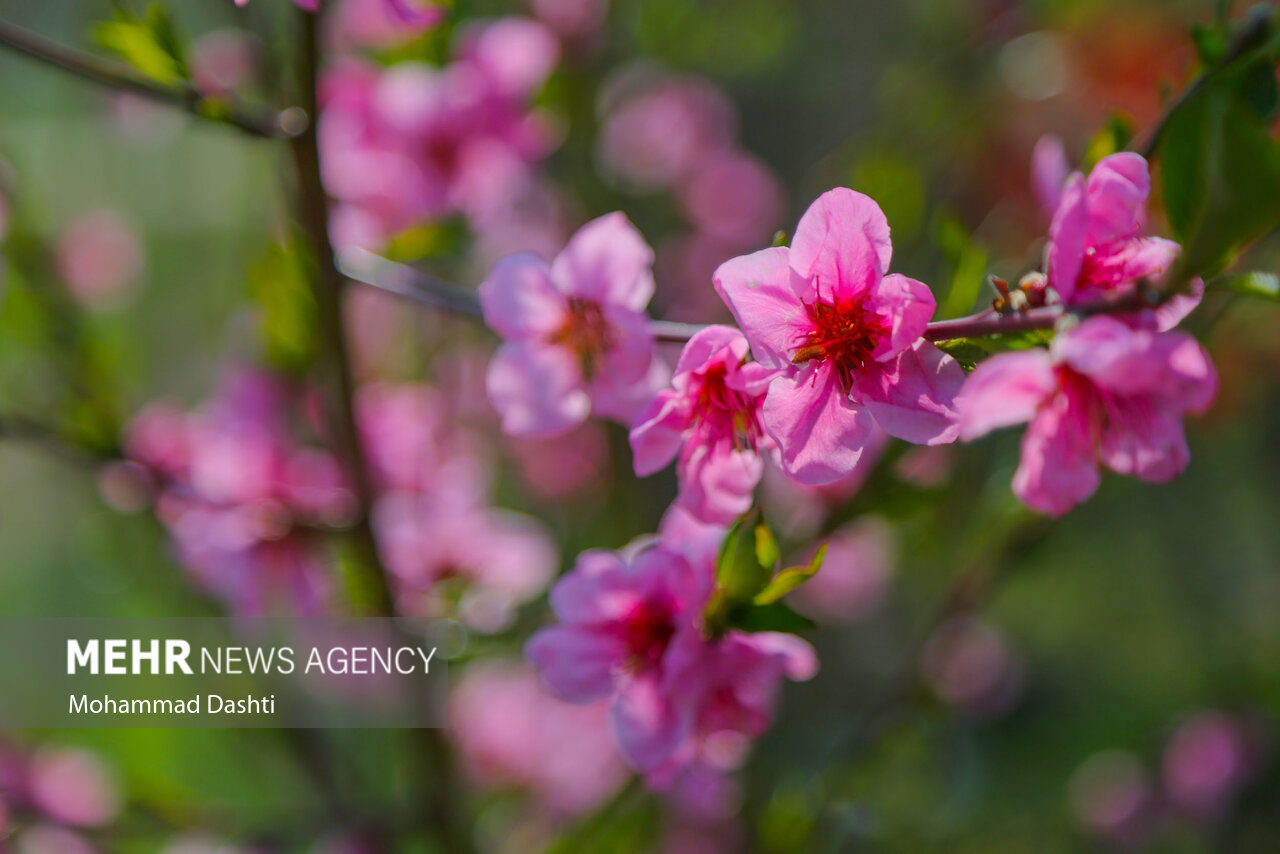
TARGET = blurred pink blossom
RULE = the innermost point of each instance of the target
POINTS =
(659, 132)
(578, 22)
(375, 24)
(565, 465)
(223, 61)
(733, 197)
(854, 576)
(413, 143)
(1112, 797)
(510, 732)
(48, 839)
(73, 786)
(1206, 761)
(576, 339)
(969, 664)
(99, 257)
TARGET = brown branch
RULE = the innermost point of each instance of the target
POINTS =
(425, 289)
(265, 123)
(328, 286)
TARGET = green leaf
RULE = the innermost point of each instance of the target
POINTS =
(1210, 42)
(739, 574)
(775, 617)
(148, 43)
(1220, 175)
(791, 578)
(1255, 284)
(288, 323)
(766, 547)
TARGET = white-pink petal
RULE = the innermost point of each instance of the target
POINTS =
(607, 261)
(536, 389)
(519, 300)
(757, 289)
(913, 397)
(841, 247)
(820, 432)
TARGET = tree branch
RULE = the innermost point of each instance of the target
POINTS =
(265, 123)
(428, 290)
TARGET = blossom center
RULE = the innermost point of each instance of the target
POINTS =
(726, 411)
(646, 631)
(586, 332)
(844, 333)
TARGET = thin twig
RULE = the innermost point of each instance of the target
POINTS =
(265, 123)
(425, 289)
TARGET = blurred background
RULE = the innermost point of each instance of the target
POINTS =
(1116, 686)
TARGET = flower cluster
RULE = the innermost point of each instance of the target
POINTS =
(248, 506)
(414, 144)
(631, 632)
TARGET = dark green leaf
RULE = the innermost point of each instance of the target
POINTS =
(775, 617)
(1220, 173)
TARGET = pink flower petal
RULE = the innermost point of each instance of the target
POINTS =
(820, 432)
(647, 724)
(1176, 310)
(1064, 256)
(519, 300)
(577, 664)
(624, 401)
(598, 590)
(841, 247)
(1116, 196)
(536, 389)
(608, 261)
(908, 305)
(708, 341)
(1004, 390)
(1144, 441)
(658, 433)
(1058, 469)
(913, 397)
(1049, 171)
(757, 289)
(719, 483)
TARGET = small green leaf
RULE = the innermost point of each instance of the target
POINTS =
(775, 617)
(766, 547)
(1255, 284)
(149, 43)
(739, 575)
(1211, 43)
(780, 238)
(288, 323)
(791, 578)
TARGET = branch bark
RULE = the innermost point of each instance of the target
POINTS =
(265, 123)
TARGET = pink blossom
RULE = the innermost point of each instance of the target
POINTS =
(658, 132)
(73, 787)
(381, 24)
(733, 197)
(630, 632)
(511, 733)
(573, 20)
(1104, 394)
(99, 257)
(616, 622)
(564, 466)
(970, 665)
(710, 418)
(223, 61)
(1097, 241)
(415, 143)
(239, 498)
(501, 558)
(576, 336)
(1206, 762)
(845, 337)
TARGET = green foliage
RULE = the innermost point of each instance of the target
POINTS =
(1114, 136)
(1254, 284)
(748, 591)
(278, 284)
(1220, 167)
(148, 42)
(968, 263)
(790, 578)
